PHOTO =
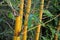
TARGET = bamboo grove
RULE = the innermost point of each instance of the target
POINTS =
(30, 20)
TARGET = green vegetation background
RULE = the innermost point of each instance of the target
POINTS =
(50, 18)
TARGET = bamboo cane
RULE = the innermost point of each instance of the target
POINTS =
(58, 28)
(40, 16)
(28, 6)
(18, 22)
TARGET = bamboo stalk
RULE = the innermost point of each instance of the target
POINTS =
(28, 6)
(40, 17)
(47, 6)
(18, 22)
(58, 28)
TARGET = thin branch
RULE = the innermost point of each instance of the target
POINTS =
(43, 23)
(9, 25)
(52, 19)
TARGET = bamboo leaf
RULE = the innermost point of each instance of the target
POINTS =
(10, 15)
(48, 13)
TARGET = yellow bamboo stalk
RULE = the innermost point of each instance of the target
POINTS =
(18, 22)
(58, 28)
(40, 16)
(28, 7)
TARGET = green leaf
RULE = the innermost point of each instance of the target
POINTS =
(10, 15)
(44, 38)
(47, 13)
(32, 18)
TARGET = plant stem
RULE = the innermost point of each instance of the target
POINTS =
(40, 17)
(58, 28)
(18, 22)
(28, 6)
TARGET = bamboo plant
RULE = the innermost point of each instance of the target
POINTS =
(58, 28)
(28, 6)
(18, 22)
(40, 17)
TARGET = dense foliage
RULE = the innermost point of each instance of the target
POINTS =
(51, 13)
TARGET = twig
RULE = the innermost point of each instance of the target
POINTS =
(51, 19)
(9, 25)
(43, 23)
